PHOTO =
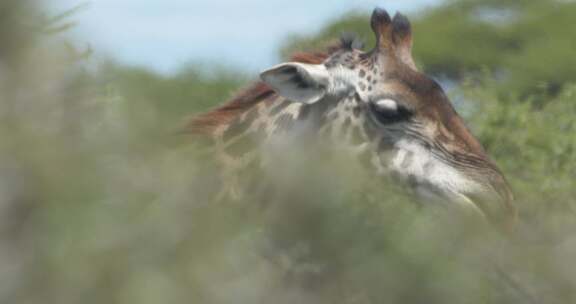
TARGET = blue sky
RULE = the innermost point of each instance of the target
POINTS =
(164, 34)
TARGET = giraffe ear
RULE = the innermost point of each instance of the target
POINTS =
(300, 82)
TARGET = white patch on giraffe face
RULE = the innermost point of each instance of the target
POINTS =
(342, 80)
(433, 178)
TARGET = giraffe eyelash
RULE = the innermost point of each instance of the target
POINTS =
(386, 104)
(388, 110)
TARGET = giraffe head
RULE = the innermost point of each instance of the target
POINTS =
(399, 118)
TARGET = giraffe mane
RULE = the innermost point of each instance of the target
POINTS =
(256, 93)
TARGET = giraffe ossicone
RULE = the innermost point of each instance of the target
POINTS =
(378, 104)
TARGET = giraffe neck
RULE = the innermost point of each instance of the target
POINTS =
(283, 125)
(247, 131)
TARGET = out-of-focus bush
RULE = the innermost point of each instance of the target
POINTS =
(533, 140)
(100, 201)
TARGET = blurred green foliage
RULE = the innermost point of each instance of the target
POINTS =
(194, 88)
(101, 203)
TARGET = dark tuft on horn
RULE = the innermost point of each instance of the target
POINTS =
(382, 27)
(402, 39)
(380, 18)
(350, 41)
(401, 25)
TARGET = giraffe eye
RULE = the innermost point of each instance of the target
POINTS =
(388, 110)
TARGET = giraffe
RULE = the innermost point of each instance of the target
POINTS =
(398, 121)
